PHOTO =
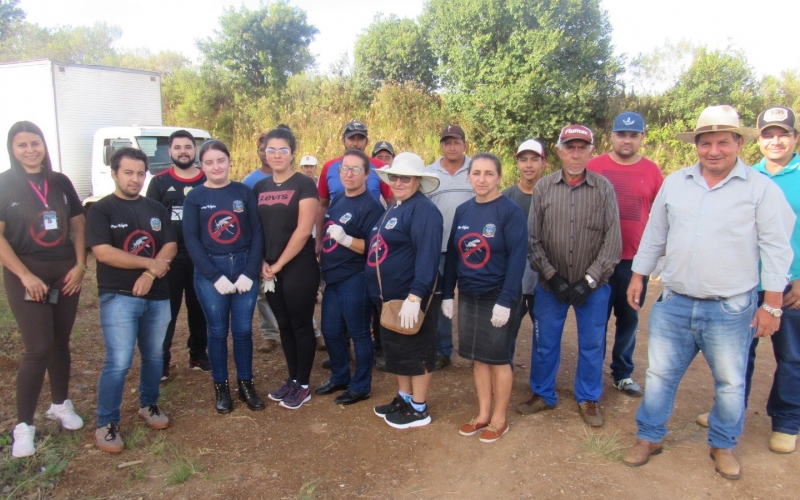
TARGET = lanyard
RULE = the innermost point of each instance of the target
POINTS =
(39, 193)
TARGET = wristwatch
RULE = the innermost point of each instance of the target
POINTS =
(774, 311)
(591, 281)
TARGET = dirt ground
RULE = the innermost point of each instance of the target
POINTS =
(327, 451)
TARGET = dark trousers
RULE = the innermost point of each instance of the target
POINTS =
(627, 320)
(181, 279)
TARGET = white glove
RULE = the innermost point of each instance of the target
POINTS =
(409, 313)
(337, 233)
(243, 284)
(500, 315)
(268, 285)
(224, 286)
(447, 308)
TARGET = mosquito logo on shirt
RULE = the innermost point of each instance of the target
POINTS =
(377, 251)
(392, 222)
(223, 227)
(344, 219)
(46, 237)
(489, 230)
(474, 250)
(155, 224)
(328, 243)
(140, 243)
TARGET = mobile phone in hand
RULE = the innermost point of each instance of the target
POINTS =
(50, 298)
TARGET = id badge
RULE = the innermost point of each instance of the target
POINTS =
(50, 221)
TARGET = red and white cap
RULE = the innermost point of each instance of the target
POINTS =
(572, 132)
(308, 160)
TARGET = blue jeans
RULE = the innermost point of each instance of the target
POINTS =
(548, 326)
(444, 327)
(783, 404)
(126, 320)
(679, 328)
(346, 307)
(627, 320)
(236, 310)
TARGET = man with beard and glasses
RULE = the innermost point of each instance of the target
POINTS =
(170, 188)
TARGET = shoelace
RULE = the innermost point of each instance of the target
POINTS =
(154, 410)
(111, 435)
(591, 408)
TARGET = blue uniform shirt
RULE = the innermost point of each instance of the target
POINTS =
(487, 250)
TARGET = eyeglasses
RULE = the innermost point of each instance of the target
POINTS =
(345, 170)
(355, 126)
(405, 179)
(283, 151)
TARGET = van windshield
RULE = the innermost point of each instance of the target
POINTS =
(157, 150)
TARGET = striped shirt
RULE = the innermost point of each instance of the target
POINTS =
(574, 230)
(453, 190)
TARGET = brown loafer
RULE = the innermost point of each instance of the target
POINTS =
(725, 463)
(492, 433)
(640, 453)
(472, 428)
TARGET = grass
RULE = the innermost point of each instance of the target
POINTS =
(135, 437)
(309, 490)
(183, 467)
(158, 446)
(40, 472)
(601, 445)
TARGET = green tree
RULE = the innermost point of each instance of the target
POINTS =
(261, 48)
(522, 68)
(783, 90)
(83, 44)
(9, 15)
(394, 49)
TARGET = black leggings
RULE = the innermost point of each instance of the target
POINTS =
(293, 305)
(45, 331)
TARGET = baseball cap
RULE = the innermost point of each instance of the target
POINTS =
(453, 131)
(381, 146)
(777, 116)
(531, 145)
(629, 122)
(571, 132)
(355, 127)
(308, 160)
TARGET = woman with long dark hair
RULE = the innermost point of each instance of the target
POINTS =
(44, 259)
(287, 206)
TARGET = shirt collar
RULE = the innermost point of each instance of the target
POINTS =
(739, 170)
(586, 178)
(793, 165)
(438, 165)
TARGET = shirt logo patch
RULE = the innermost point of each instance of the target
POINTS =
(140, 243)
(628, 121)
(474, 250)
(392, 222)
(223, 227)
(171, 188)
(238, 206)
(344, 219)
(155, 224)
(276, 198)
(186, 190)
(489, 230)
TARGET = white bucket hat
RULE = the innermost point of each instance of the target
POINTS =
(411, 165)
(723, 118)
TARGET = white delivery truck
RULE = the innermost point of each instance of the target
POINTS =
(85, 112)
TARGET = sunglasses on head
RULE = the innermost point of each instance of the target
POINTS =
(355, 126)
(405, 179)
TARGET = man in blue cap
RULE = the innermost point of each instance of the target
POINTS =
(636, 181)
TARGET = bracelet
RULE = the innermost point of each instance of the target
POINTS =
(82, 267)
(149, 275)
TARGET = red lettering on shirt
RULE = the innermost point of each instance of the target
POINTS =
(276, 197)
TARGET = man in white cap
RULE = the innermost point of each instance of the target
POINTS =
(636, 182)
(713, 221)
(530, 158)
(308, 167)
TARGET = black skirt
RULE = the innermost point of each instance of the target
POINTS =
(478, 339)
(411, 355)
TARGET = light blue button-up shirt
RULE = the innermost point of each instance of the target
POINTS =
(714, 237)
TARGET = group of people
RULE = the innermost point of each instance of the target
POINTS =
(391, 240)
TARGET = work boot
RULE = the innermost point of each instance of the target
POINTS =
(725, 463)
(590, 412)
(247, 393)
(640, 453)
(780, 442)
(223, 395)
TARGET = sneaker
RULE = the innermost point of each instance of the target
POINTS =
(629, 387)
(65, 412)
(534, 405)
(165, 374)
(472, 428)
(23, 441)
(492, 433)
(590, 413)
(282, 391)
(408, 418)
(296, 397)
(155, 418)
(442, 361)
(397, 404)
(108, 439)
(202, 364)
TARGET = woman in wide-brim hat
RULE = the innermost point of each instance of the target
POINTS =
(402, 264)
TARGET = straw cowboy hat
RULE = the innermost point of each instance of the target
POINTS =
(719, 119)
(411, 165)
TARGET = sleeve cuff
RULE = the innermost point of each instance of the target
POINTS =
(774, 282)
(644, 267)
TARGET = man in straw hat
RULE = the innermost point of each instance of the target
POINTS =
(713, 221)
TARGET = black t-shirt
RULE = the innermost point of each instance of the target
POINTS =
(278, 208)
(36, 241)
(141, 227)
(171, 190)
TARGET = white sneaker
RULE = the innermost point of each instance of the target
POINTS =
(23, 441)
(66, 413)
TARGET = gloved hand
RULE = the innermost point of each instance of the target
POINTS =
(268, 285)
(243, 284)
(337, 233)
(409, 313)
(224, 286)
(447, 308)
(579, 292)
(560, 288)
(500, 315)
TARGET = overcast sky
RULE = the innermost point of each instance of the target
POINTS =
(639, 26)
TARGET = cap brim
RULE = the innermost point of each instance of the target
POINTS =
(780, 125)
(355, 132)
(454, 136)
(628, 130)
